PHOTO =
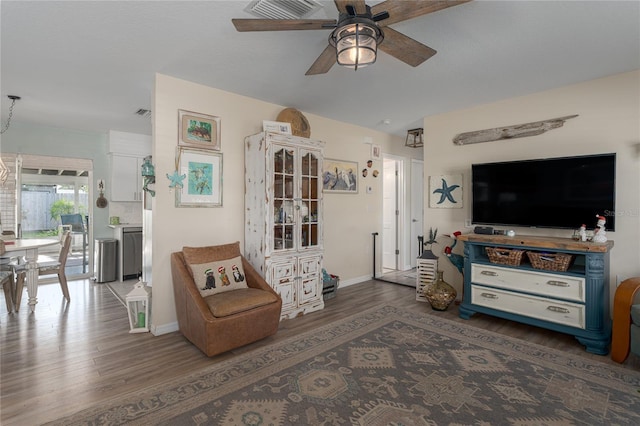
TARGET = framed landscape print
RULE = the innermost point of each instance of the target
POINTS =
(340, 176)
(203, 182)
(198, 130)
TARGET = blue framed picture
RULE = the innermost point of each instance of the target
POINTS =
(203, 178)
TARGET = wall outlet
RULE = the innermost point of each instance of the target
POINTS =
(467, 223)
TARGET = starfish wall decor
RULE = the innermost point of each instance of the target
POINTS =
(445, 192)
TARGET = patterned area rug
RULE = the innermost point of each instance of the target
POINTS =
(387, 366)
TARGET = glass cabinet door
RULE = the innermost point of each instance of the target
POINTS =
(309, 199)
(283, 198)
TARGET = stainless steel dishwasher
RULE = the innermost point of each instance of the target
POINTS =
(131, 252)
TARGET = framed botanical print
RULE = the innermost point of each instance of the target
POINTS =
(203, 182)
(198, 130)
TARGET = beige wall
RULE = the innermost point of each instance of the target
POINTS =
(609, 121)
(349, 219)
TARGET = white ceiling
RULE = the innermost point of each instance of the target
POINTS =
(90, 65)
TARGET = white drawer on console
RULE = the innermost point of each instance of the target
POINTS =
(545, 284)
(566, 313)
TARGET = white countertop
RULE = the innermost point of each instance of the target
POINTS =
(126, 225)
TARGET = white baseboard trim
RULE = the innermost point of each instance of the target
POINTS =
(352, 281)
(158, 330)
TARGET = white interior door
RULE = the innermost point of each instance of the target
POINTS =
(417, 207)
(389, 214)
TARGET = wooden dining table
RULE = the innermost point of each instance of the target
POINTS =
(30, 248)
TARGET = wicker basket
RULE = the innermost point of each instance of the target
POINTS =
(550, 261)
(503, 256)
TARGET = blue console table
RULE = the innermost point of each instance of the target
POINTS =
(575, 302)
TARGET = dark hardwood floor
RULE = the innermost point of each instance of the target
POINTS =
(66, 357)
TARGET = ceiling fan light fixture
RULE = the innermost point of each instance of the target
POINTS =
(356, 45)
(356, 39)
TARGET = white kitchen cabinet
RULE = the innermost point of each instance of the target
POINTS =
(283, 217)
(126, 178)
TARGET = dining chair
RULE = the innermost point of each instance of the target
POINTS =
(6, 280)
(79, 225)
(47, 268)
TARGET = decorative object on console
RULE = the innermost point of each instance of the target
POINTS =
(599, 233)
(582, 232)
(138, 308)
(445, 192)
(340, 176)
(440, 293)
(203, 170)
(299, 123)
(198, 130)
(511, 132)
(149, 175)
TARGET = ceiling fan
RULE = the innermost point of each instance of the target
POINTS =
(359, 30)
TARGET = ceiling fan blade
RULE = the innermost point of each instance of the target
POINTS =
(282, 24)
(408, 9)
(405, 48)
(358, 5)
(324, 62)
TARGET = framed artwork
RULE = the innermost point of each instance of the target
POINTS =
(340, 176)
(203, 182)
(276, 127)
(376, 152)
(198, 130)
(445, 192)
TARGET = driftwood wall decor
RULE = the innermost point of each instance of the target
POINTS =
(511, 132)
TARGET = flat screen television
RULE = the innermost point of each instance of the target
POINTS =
(558, 193)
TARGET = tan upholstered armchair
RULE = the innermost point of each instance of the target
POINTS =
(626, 320)
(223, 321)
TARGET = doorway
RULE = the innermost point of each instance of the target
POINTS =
(417, 209)
(48, 190)
(402, 217)
(390, 214)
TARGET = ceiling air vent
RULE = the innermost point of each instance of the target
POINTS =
(144, 112)
(283, 9)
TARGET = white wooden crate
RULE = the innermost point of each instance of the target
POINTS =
(427, 273)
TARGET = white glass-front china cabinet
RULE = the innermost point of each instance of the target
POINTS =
(283, 217)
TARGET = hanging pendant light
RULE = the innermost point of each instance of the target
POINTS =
(13, 98)
(415, 138)
(4, 170)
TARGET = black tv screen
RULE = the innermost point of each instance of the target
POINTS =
(548, 193)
